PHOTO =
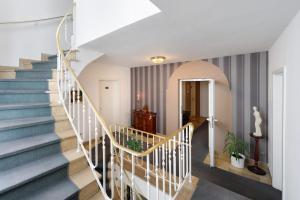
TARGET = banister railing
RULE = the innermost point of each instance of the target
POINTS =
(161, 166)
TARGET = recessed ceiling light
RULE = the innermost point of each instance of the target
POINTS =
(158, 59)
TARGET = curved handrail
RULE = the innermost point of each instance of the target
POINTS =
(159, 148)
(110, 135)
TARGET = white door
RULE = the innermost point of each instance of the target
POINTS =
(109, 101)
(211, 120)
(277, 127)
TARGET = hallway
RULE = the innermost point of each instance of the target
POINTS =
(216, 184)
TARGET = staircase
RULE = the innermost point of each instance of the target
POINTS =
(39, 158)
(54, 144)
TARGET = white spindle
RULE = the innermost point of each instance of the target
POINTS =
(190, 153)
(132, 176)
(74, 101)
(179, 157)
(104, 160)
(156, 174)
(163, 170)
(66, 84)
(186, 152)
(78, 118)
(90, 131)
(69, 95)
(183, 153)
(96, 142)
(174, 162)
(112, 171)
(170, 167)
(148, 176)
(122, 174)
(83, 119)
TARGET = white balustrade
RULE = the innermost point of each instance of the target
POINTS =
(123, 166)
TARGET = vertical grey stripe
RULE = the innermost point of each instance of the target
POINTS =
(240, 96)
(215, 61)
(227, 68)
(263, 104)
(165, 76)
(247, 97)
(141, 86)
(146, 86)
(254, 83)
(234, 92)
(152, 88)
(132, 88)
(158, 97)
(136, 87)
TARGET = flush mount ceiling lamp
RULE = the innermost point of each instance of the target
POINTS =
(158, 59)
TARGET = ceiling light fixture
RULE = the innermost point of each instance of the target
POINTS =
(158, 59)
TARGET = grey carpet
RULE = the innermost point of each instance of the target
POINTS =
(217, 184)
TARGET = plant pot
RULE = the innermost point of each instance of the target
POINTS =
(238, 162)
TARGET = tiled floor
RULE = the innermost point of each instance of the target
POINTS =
(216, 184)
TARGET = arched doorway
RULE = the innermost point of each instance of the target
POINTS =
(223, 99)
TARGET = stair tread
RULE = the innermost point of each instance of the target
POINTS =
(27, 91)
(35, 70)
(17, 176)
(15, 123)
(12, 147)
(64, 188)
(27, 105)
(27, 80)
(83, 177)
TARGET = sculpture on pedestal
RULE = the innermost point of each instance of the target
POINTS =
(258, 121)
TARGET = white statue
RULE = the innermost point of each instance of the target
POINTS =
(258, 121)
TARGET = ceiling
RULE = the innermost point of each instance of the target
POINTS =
(194, 29)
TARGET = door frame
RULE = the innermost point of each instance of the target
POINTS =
(275, 74)
(211, 119)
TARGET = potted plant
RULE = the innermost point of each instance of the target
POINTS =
(134, 145)
(236, 148)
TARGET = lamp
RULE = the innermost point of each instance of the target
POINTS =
(158, 59)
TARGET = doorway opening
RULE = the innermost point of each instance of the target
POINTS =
(109, 100)
(197, 105)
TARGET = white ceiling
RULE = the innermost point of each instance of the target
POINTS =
(193, 29)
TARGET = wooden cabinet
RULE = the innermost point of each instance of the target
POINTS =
(144, 120)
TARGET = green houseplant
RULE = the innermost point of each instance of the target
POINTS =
(236, 149)
(134, 145)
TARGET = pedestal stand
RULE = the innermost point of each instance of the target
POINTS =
(255, 168)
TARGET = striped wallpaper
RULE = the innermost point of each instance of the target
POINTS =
(247, 76)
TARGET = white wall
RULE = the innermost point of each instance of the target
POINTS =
(28, 40)
(96, 71)
(95, 18)
(285, 53)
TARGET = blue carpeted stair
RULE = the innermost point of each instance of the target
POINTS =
(32, 164)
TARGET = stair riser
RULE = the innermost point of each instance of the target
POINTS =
(28, 98)
(33, 130)
(68, 144)
(88, 191)
(47, 65)
(36, 74)
(31, 112)
(28, 85)
(77, 165)
(30, 155)
(41, 183)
